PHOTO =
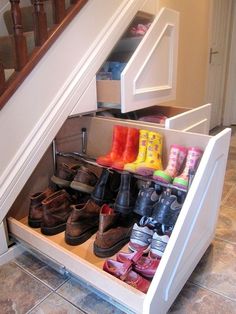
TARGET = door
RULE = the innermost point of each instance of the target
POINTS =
(218, 43)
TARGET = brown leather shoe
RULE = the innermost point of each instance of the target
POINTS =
(114, 232)
(56, 210)
(82, 223)
(65, 174)
(36, 207)
(84, 180)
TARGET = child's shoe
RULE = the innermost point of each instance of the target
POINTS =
(143, 141)
(177, 156)
(154, 154)
(192, 161)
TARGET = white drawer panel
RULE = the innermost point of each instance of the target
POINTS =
(191, 236)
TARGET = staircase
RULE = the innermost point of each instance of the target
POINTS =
(31, 31)
(52, 88)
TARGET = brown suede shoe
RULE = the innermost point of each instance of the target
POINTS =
(36, 207)
(114, 232)
(84, 180)
(56, 210)
(82, 223)
(65, 174)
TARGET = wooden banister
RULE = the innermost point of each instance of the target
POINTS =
(19, 38)
(2, 79)
(40, 23)
(59, 10)
(18, 77)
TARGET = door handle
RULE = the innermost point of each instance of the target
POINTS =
(212, 52)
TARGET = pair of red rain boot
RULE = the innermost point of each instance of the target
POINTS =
(124, 148)
(179, 156)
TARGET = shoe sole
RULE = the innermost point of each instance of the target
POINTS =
(33, 223)
(60, 182)
(81, 187)
(80, 239)
(110, 251)
(146, 172)
(53, 230)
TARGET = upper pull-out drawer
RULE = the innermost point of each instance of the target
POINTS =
(185, 119)
(149, 76)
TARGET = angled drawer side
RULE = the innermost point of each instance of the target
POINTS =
(150, 75)
(194, 120)
(195, 226)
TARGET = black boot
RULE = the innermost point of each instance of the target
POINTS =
(106, 188)
(127, 194)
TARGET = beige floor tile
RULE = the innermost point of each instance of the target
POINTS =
(86, 300)
(230, 199)
(195, 300)
(40, 269)
(19, 292)
(226, 226)
(54, 304)
(217, 269)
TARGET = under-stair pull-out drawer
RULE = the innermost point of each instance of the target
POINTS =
(195, 120)
(192, 234)
(149, 75)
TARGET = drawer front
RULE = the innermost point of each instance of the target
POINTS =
(191, 235)
(195, 120)
(149, 77)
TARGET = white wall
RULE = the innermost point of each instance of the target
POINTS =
(193, 50)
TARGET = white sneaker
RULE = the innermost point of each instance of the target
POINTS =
(140, 238)
(158, 245)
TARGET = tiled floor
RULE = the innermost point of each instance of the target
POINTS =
(28, 285)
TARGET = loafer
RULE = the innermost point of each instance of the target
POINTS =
(124, 272)
(143, 265)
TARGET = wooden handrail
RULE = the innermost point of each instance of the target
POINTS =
(19, 76)
(19, 38)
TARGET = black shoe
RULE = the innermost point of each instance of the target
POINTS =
(167, 209)
(147, 197)
(106, 189)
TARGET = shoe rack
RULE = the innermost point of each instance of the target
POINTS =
(192, 233)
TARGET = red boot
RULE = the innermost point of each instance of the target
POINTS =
(118, 146)
(130, 151)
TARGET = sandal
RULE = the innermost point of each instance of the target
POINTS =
(143, 265)
(124, 272)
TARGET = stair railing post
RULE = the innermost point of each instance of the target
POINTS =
(40, 23)
(59, 10)
(2, 78)
(19, 38)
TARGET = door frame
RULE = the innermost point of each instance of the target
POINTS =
(230, 95)
(225, 61)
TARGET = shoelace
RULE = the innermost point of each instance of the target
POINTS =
(148, 222)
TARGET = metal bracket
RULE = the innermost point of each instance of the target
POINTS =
(75, 155)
